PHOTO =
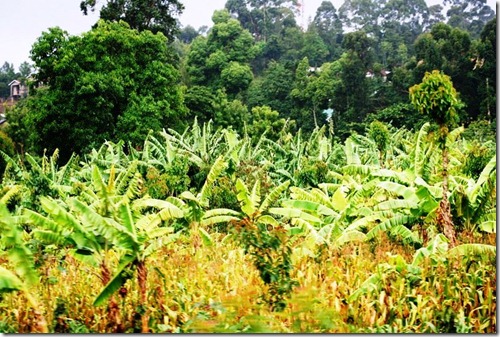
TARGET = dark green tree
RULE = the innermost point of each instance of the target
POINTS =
(314, 47)
(263, 18)
(111, 83)
(222, 59)
(470, 15)
(273, 89)
(154, 15)
(437, 97)
(329, 28)
(187, 34)
(449, 49)
(485, 69)
(7, 74)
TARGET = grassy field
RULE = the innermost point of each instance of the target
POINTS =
(217, 289)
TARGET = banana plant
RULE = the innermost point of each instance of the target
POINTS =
(39, 176)
(474, 202)
(265, 239)
(85, 223)
(437, 251)
(23, 275)
(319, 216)
(195, 207)
(140, 236)
(200, 143)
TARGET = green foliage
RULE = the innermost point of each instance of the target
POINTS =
(110, 83)
(481, 131)
(312, 173)
(478, 157)
(236, 77)
(264, 120)
(380, 134)
(7, 147)
(170, 181)
(271, 256)
(222, 59)
(437, 97)
(399, 115)
(157, 16)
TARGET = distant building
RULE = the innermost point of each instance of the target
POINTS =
(18, 90)
(383, 73)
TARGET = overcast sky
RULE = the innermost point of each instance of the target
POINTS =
(23, 21)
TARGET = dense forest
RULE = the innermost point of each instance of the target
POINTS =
(256, 66)
(258, 175)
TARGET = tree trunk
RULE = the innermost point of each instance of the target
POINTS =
(40, 321)
(142, 276)
(444, 212)
(114, 320)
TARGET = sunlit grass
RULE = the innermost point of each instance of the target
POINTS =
(217, 289)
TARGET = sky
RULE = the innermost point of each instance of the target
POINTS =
(23, 21)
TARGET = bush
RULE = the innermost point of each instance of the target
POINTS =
(6, 146)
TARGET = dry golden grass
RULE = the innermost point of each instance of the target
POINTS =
(217, 289)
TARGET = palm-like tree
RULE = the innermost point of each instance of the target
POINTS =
(20, 257)
(474, 201)
(437, 97)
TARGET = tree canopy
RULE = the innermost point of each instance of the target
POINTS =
(111, 83)
(153, 15)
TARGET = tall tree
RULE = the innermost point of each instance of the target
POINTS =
(222, 59)
(314, 47)
(437, 97)
(470, 15)
(449, 49)
(329, 27)
(111, 83)
(153, 15)
(263, 18)
(273, 89)
(485, 68)
(7, 74)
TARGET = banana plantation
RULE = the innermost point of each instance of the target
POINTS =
(214, 231)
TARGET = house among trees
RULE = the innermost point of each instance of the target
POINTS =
(18, 90)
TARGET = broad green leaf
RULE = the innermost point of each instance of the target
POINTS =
(349, 236)
(471, 249)
(339, 200)
(405, 234)
(488, 226)
(309, 206)
(395, 204)
(243, 196)
(116, 283)
(295, 213)
(220, 211)
(127, 220)
(218, 219)
(398, 219)
(206, 238)
(268, 220)
(398, 189)
(215, 171)
(9, 281)
(273, 196)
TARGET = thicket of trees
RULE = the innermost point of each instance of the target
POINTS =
(255, 67)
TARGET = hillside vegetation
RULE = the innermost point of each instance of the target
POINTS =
(208, 231)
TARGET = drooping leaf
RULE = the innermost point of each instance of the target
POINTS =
(243, 196)
(116, 282)
(295, 213)
(273, 196)
(9, 281)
